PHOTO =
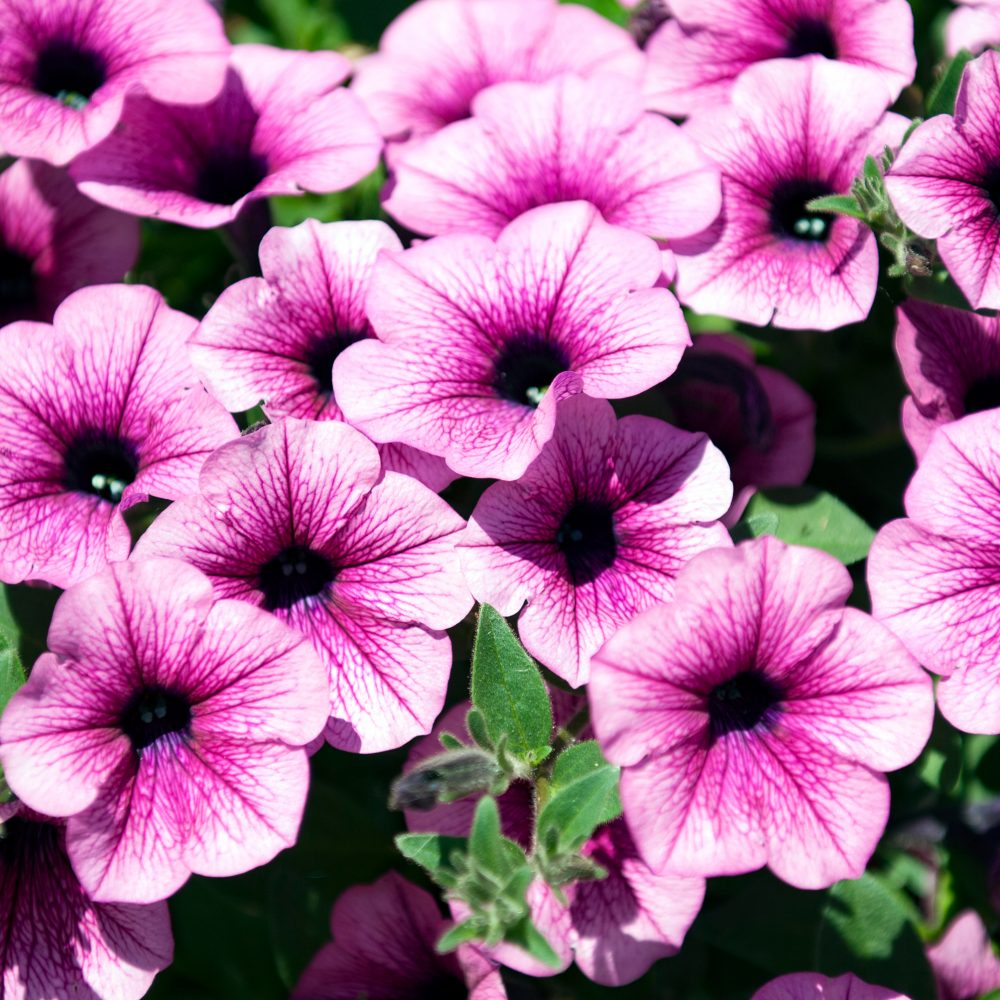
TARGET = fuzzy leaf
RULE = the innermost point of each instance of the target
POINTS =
(941, 100)
(811, 517)
(11, 671)
(459, 934)
(508, 689)
(486, 846)
(527, 936)
(838, 204)
(432, 851)
(577, 807)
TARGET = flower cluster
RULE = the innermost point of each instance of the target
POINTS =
(554, 372)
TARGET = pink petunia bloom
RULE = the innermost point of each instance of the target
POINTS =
(814, 986)
(300, 518)
(472, 335)
(275, 338)
(595, 531)
(965, 965)
(756, 416)
(56, 941)
(796, 130)
(934, 577)
(439, 54)
(54, 241)
(383, 949)
(281, 125)
(695, 57)
(945, 183)
(951, 362)
(98, 412)
(753, 718)
(531, 144)
(973, 25)
(168, 727)
(615, 928)
(67, 67)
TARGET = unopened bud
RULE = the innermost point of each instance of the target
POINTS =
(445, 777)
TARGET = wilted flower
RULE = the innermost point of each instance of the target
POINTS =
(54, 241)
(595, 531)
(945, 183)
(67, 66)
(753, 718)
(54, 939)
(795, 131)
(274, 339)
(169, 728)
(282, 125)
(696, 56)
(531, 144)
(934, 577)
(438, 54)
(383, 949)
(98, 412)
(300, 518)
(479, 340)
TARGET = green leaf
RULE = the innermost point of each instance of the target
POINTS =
(11, 671)
(508, 689)
(468, 930)
(575, 762)
(578, 806)
(941, 100)
(868, 928)
(838, 204)
(432, 851)
(527, 936)
(811, 517)
(476, 725)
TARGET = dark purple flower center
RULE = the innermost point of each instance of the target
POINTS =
(991, 185)
(983, 394)
(322, 353)
(790, 218)
(17, 281)
(809, 37)
(100, 465)
(586, 537)
(226, 176)
(525, 368)
(722, 397)
(744, 702)
(69, 73)
(295, 574)
(153, 714)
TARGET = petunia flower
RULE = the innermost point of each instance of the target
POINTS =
(67, 67)
(168, 727)
(973, 25)
(796, 130)
(54, 241)
(478, 340)
(281, 125)
(98, 412)
(615, 928)
(756, 416)
(965, 965)
(595, 531)
(300, 518)
(55, 941)
(695, 57)
(275, 338)
(754, 715)
(439, 54)
(951, 362)
(814, 986)
(531, 144)
(383, 949)
(945, 183)
(934, 576)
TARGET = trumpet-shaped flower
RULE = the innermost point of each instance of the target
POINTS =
(300, 518)
(281, 125)
(169, 728)
(438, 54)
(98, 412)
(67, 67)
(814, 986)
(531, 144)
(596, 529)
(479, 340)
(795, 130)
(54, 241)
(274, 339)
(754, 715)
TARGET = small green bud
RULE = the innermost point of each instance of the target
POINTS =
(445, 777)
